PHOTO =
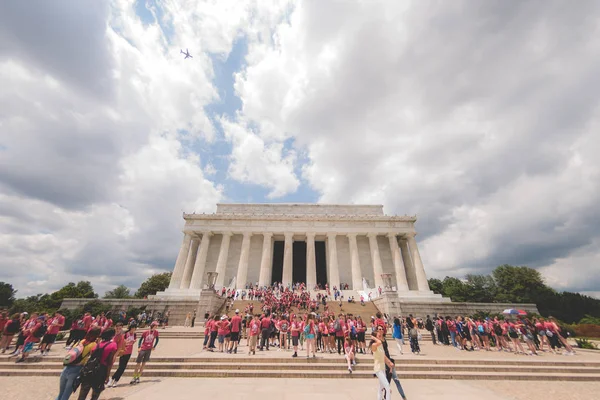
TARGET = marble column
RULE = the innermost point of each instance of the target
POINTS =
(200, 264)
(408, 265)
(189, 265)
(355, 263)
(422, 283)
(376, 260)
(333, 276)
(401, 282)
(311, 262)
(222, 260)
(180, 263)
(265, 261)
(242, 273)
(287, 259)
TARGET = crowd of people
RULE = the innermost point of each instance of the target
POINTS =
(288, 319)
(93, 346)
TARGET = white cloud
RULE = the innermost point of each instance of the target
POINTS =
(480, 118)
(255, 161)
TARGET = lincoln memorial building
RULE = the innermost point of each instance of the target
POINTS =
(243, 244)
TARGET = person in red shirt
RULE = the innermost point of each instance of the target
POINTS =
(284, 326)
(295, 328)
(223, 330)
(107, 359)
(54, 326)
(33, 335)
(125, 348)
(207, 326)
(214, 330)
(87, 321)
(265, 326)
(235, 326)
(253, 331)
(10, 329)
(147, 343)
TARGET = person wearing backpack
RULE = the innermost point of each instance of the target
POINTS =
(338, 328)
(96, 371)
(429, 327)
(33, 335)
(74, 361)
(11, 328)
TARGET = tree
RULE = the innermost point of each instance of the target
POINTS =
(156, 283)
(519, 284)
(120, 292)
(455, 289)
(436, 286)
(481, 288)
(7, 294)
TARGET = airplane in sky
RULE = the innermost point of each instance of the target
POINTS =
(186, 52)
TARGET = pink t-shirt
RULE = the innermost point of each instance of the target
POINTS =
(129, 339)
(295, 325)
(55, 324)
(148, 339)
(236, 323)
(254, 328)
(107, 350)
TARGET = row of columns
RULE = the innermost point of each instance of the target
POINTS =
(191, 261)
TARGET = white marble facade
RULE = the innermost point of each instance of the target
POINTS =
(361, 242)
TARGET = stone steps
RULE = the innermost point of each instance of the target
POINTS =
(328, 367)
(333, 368)
(216, 373)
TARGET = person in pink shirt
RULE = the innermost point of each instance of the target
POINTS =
(95, 383)
(207, 327)
(33, 334)
(87, 321)
(223, 326)
(295, 328)
(349, 353)
(54, 326)
(124, 352)
(284, 326)
(561, 338)
(253, 332)
(146, 344)
(235, 327)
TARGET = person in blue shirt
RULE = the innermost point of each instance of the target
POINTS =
(397, 334)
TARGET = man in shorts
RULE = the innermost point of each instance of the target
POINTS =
(236, 327)
(253, 331)
(54, 326)
(146, 344)
(296, 327)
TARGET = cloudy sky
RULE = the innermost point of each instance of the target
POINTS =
(482, 118)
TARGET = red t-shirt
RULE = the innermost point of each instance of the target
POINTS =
(214, 326)
(284, 326)
(87, 322)
(107, 350)
(254, 328)
(148, 339)
(265, 323)
(31, 332)
(223, 327)
(55, 324)
(236, 323)
(129, 339)
(296, 325)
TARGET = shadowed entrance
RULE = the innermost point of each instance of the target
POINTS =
(277, 266)
(299, 262)
(321, 262)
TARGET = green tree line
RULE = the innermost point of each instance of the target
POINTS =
(511, 284)
(50, 302)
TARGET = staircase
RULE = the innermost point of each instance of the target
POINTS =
(332, 368)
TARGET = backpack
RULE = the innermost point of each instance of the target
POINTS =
(75, 355)
(497, 330)
(480, 328)
(337, 326)
(93, 371)
(12, 327)
(41, 331)
(429, 325)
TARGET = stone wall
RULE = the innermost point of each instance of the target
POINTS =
(178, 309)
(394, 306)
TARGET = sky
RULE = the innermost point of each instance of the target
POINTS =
(480, 118)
